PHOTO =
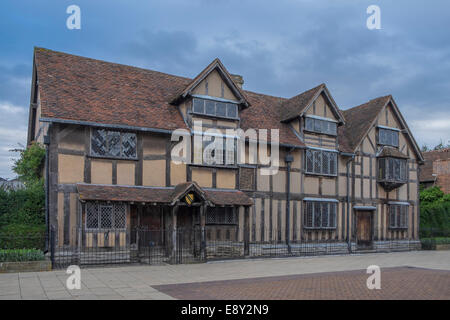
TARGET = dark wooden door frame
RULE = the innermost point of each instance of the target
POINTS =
(370, 214)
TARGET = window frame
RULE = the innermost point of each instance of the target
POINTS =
(320, 120)
(108, 155)
(225, 154)
(332, 216)
(331, 159)
(113, 207)
(215, 101)
(390, 163)
(397, 210)
(391, 130)
(227, 213)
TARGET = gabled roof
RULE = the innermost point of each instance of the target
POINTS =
(298, 105)
(76, 89)
(360, 119)
(358, 122)
(216, 64)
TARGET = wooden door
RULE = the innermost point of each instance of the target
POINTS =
(364, 228)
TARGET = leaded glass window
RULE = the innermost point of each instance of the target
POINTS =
(105, 216)
(320, 214)
(117, 144)
(321, 162)
(398, 216)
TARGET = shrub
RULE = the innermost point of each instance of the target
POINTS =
(18, 236)
(14, 255)
(434, 209)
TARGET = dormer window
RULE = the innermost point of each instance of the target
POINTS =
(320, 125)
(388, 136)
(215, 108)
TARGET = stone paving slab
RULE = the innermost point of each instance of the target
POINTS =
(138, 282)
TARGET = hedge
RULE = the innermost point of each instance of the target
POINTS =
(18, 236)
(14, 255)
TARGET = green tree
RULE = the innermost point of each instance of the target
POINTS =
(30, 163)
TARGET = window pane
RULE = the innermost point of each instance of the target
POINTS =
(325, 214)
(231, 110)
(105, 217)
(309, 124)
(382, 168)
(333, 207)
(129, 145)
(317, 125)
(91, 216)
(382, 136)
(199, 105)
(403, 170)
(221, 109)
(210, 107)
(332, 128)
(391, 169)
(309, 161)
(98, 142)
(325, 162)
(119, 216)
(317, 214)
(317, 161)
(114, 145)
(395, 138)
(309, 214)
(333, 162)
(392, 215)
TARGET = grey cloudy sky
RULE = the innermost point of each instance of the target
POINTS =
(281, 48)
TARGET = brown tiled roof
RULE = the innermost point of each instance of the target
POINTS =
(87, 90)
(358, 121)
(93, 192)
(426, 170)
(293, 107)
(83, 89)
(124, 193)
(392, 152)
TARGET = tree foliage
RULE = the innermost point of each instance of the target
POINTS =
(23, 209)
(434, 209)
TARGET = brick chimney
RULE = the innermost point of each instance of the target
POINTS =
(238, 80)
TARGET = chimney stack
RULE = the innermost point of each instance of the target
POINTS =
(238, 80)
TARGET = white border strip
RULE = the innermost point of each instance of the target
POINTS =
(389, 128)
(320, 199)
(399, 202)
(320, 118)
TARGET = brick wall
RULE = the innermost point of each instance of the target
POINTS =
(442, 169)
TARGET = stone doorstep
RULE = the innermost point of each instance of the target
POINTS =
(25, 266)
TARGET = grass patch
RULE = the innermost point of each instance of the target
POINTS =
(15, 255)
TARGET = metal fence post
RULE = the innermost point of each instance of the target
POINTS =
(52, 246)
(246, 230)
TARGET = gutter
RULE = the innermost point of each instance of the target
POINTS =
(349, 242)
(288, 159)
(47, 184)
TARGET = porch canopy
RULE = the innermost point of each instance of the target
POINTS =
(161, 195)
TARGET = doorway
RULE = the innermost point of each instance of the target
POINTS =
(364, 229)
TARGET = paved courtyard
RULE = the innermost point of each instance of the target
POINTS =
(291, 278)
